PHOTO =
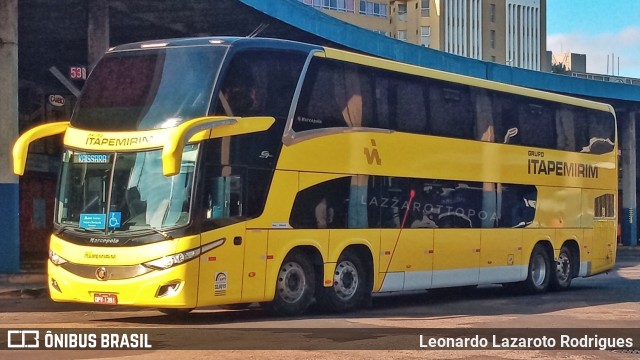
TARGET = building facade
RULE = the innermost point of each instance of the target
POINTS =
(511, 32)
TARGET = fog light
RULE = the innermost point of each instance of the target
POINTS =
(169, 289)
(54, 284)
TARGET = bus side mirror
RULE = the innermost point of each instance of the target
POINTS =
(217, 126)
(21, 146)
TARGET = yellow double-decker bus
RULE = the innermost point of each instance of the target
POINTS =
(219, 171)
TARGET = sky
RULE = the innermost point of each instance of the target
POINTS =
(597, 28)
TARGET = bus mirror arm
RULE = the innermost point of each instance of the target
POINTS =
(223, 125)
(21, 146)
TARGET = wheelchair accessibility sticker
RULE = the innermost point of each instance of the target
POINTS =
(99, 221)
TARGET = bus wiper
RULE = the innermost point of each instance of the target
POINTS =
(61, 229)
(158, 231)
(92, 231)
(164, 234)
(64, 228)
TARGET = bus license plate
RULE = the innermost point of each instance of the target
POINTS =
(106, 299)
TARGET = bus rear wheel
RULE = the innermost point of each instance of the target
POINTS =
(563, 274)
(539, 273)
(349, 284)
(295, 285)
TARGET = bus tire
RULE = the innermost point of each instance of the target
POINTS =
(563, 274)
(295, 285)
(539, 272)
(349, 288)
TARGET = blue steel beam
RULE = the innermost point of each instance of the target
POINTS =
(310, 20)
(315, 22)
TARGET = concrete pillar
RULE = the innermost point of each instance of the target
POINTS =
(97, 30)
(629, 216)
(9, 199)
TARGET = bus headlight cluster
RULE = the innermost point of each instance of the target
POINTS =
(182, 257)
(173, 260)
(56, 259)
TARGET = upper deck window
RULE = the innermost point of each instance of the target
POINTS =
(148, 89)
(345, 95)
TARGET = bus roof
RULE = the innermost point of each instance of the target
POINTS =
(270, 43)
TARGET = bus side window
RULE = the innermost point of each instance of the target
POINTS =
(411, 109)
(519, 203)
(383, 119)
(537, 125)
(354, 97)
(507, 127)
(599, 132)
(451, 110)
(481, 99)
(259, 83)
(317, 107)
(322, 206)
(565, 129)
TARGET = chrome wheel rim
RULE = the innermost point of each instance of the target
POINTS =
(345, 280)
(538, 270)
(291, 282)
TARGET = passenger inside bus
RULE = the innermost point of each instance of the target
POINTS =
(238, 94)
(324, 214)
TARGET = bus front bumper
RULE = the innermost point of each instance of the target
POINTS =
(175, 287)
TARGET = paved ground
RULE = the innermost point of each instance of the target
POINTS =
(607, 301)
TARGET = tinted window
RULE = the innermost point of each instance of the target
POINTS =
(339, 94)
(259, 83)
(147, 89)
(322, 206)
(393, 202)
(451, 113)
(334, 95)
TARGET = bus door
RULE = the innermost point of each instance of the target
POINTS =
(406, 238)
(456, 241)
(456, 257)
(409, 266)
(221, 270)
(603, 246)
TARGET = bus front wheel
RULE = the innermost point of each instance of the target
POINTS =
(349, 284)
(295, 285)
(561, 278)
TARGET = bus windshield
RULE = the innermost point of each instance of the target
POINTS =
(130, 185)
(148, 89)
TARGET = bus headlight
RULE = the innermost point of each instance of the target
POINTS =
(173, 260)
(56, 259)
(183, 257)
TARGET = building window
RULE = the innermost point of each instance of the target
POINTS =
(425, 10)
(425, 36)
(492, 12)
(373, 8)
(493, 58)
(401, 35)
(338, 5)
(493, 39)
(402, 12)
(381, 32)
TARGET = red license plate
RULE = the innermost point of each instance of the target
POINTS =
(105, 299)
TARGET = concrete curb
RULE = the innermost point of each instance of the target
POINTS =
(23, 285)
